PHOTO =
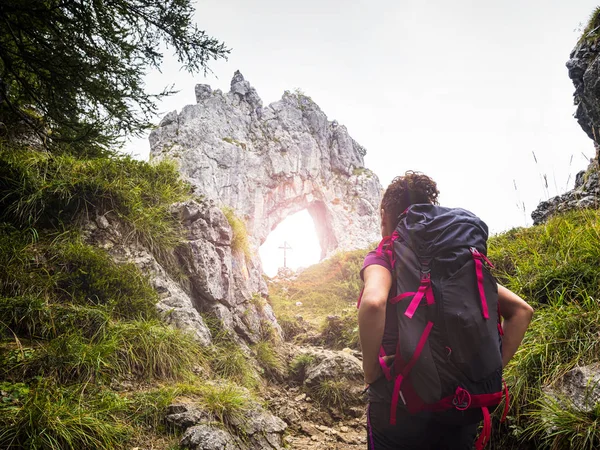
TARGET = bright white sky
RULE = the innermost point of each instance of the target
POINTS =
(464, 91)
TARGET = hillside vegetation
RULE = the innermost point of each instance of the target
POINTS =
(324, 297)
(85, 361)
(555, 267)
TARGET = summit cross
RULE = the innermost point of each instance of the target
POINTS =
(285, 248)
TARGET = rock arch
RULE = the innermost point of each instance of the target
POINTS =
(270, 162)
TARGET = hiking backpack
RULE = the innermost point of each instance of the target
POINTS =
(449, 352)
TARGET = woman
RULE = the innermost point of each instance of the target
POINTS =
(378, 328)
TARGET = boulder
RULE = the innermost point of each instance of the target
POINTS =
(580, 387)
(332, 365)
(262, 429)
(185, 415)
(208, 437)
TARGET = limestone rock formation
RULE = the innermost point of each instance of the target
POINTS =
(270, 162)
(585, 194)
(584, 71)
(216, 280)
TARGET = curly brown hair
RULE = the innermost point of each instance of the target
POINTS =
(403, 191)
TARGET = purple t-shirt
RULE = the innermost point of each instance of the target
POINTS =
(390, 332)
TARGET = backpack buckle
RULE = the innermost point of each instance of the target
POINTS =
(425, 269)
(462, 399)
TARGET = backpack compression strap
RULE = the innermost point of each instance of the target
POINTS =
(423, 291)
(406, 370)
(477, 257)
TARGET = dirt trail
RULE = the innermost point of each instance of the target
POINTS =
(314, 426)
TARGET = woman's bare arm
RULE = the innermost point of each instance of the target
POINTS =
(371, 318)
(517, 315)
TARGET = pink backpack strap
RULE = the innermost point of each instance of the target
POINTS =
(406, 370)
(506, 402)
(477, 257)
(423, 291)
(486, 431)
(384, 367)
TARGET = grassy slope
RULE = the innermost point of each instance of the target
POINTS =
(555, 267)
(329, 288)
(85, 363)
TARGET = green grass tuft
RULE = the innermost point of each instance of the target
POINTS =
(268, 359)
(334, 393)
(299, 365)
(556, 260)
(48, 417)
(139, 349)
(239, 241)
(339, 332)
(554, 266)
(591, 32)
(557, 424)
(227, 360)
(69, 271)
(224, 401)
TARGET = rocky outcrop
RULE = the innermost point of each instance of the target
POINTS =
(270, 162)
(332, 365)
(584, 71)
(255, 429)
(585, 194)
(210, 278)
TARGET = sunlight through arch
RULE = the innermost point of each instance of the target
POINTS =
(298, 231)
